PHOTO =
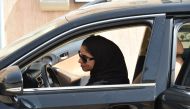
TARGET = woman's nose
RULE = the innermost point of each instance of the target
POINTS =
(79, 61)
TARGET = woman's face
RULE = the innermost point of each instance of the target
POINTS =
(86, 59)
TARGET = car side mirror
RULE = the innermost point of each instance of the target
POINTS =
(11, 81)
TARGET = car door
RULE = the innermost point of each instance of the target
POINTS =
(177, 96)
(139, 95)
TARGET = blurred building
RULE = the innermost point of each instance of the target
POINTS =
(24, 16)
(1, 25)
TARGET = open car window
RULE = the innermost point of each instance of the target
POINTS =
(132, 39)
(182, 74)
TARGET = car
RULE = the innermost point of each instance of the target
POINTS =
(41, 69)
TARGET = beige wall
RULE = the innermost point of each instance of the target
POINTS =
(24, 16)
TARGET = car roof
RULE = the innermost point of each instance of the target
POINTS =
(132, 8)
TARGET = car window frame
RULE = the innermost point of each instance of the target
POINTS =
(69, 33)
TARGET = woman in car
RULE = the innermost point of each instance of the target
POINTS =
(104, 60)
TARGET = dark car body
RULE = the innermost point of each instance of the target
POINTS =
(157, 88)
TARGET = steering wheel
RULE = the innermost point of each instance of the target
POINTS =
(49, 76)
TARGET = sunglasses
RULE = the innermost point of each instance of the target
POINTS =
(84, 58)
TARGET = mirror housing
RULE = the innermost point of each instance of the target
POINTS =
(11, 81)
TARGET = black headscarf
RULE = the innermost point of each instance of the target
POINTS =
(110, 67)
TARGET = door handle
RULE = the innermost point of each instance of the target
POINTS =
(23, 104)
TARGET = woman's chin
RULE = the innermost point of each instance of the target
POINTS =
(85, 70)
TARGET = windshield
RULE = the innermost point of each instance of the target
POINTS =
(22, 41)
